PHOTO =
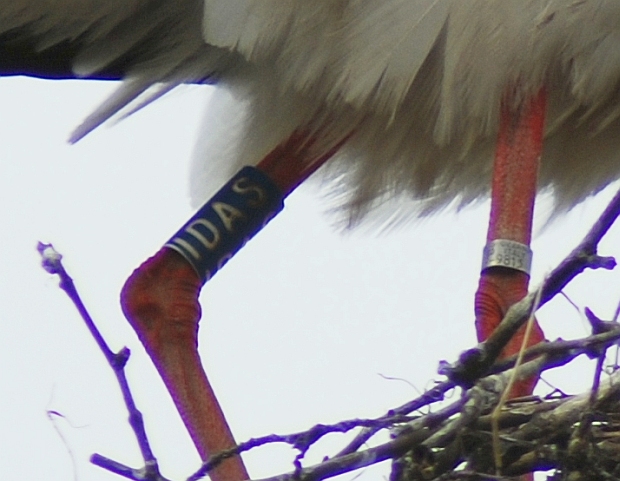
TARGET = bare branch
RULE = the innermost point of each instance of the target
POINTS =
(52, 263)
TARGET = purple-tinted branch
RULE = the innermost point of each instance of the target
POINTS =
(431, 396)
(52, 263)
(148, 473)
(301, 441)
(590, 346)
(411, 435)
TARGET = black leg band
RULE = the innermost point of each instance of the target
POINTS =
(226, 222)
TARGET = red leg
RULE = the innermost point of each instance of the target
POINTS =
(519, 148)
(160, 300)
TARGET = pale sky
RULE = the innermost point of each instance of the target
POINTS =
(298, 329)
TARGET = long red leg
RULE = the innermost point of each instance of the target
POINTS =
(160, 300)
(515, 173)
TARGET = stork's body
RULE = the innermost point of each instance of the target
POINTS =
(419, 82)
(404, 97)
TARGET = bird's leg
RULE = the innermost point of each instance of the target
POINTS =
(505, 275)
(160, 299)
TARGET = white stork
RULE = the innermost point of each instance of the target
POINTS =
(403, 98)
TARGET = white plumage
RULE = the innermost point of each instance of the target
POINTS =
(418, 83)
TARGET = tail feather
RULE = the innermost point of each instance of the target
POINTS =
(124, 95)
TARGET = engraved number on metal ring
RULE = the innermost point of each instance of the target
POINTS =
(507, 253)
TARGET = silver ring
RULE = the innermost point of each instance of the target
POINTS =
(507, 253)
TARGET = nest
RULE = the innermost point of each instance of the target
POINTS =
(576, 437)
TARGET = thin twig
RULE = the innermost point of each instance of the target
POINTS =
(52, 263)
(433, 395)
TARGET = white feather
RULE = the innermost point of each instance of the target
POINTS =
(397, 37)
